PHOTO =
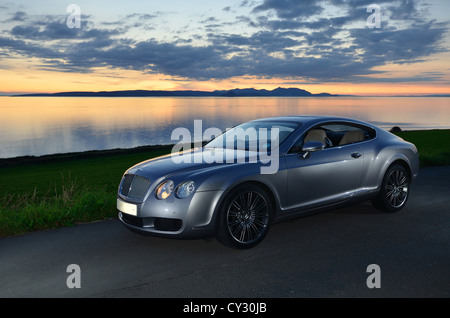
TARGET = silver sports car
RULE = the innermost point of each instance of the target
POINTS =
(265, 171)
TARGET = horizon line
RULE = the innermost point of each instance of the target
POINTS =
(309, 94)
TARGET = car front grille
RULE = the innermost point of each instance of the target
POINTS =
(134, 186)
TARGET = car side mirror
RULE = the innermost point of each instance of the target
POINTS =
(311, 146)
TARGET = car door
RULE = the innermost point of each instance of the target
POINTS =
(324, 177)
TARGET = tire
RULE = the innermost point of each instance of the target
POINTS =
(244, 217)
(394, 192)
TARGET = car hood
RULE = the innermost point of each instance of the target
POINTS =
(192, 160)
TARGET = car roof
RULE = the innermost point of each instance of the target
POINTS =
(295, 119)
(309, 119)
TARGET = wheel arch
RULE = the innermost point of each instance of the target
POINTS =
(383, 201)
(405, 165)
(399, 159)
(273, 199)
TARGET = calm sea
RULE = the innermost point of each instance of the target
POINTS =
(47, 125)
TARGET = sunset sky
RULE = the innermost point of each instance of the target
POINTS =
(317, 45)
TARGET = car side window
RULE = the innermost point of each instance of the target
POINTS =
(345, 134)
(334, 135)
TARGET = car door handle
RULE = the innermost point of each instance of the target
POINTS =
(356, 155)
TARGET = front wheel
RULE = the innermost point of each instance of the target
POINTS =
(245, 217)
(394, 190)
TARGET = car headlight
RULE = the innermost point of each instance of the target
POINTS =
(185, 189)
(164, 190)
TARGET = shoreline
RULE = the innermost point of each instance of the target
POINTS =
(61, 157)
(56, 157)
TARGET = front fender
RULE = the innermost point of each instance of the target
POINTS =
(226, 179)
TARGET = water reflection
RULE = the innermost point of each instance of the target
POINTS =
(46, 125)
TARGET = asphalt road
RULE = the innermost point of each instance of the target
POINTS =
(323, 255)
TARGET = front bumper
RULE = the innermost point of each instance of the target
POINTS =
(191, 217)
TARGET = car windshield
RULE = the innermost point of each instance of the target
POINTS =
(254, 136)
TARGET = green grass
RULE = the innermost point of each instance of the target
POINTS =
(73, 203)
(433, 145)
(55, 191)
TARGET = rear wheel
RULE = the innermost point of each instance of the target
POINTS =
(245, 217)
(394, 190)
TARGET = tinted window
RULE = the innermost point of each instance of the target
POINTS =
(334, 135)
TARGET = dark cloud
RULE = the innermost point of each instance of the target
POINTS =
(399, 46)
(210, 20)
(146, 56)
(54, 28)
(295, 43)
(19, 16)
(288, 9)
(414, 79)
(354, 15)
(405, 10)
(263, 41)
(12, 47)
(130, 21)
(141, 16)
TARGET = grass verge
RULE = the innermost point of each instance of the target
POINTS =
(62, 190)
(73, 203)
(433, 145)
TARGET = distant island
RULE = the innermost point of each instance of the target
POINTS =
(247, 92)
